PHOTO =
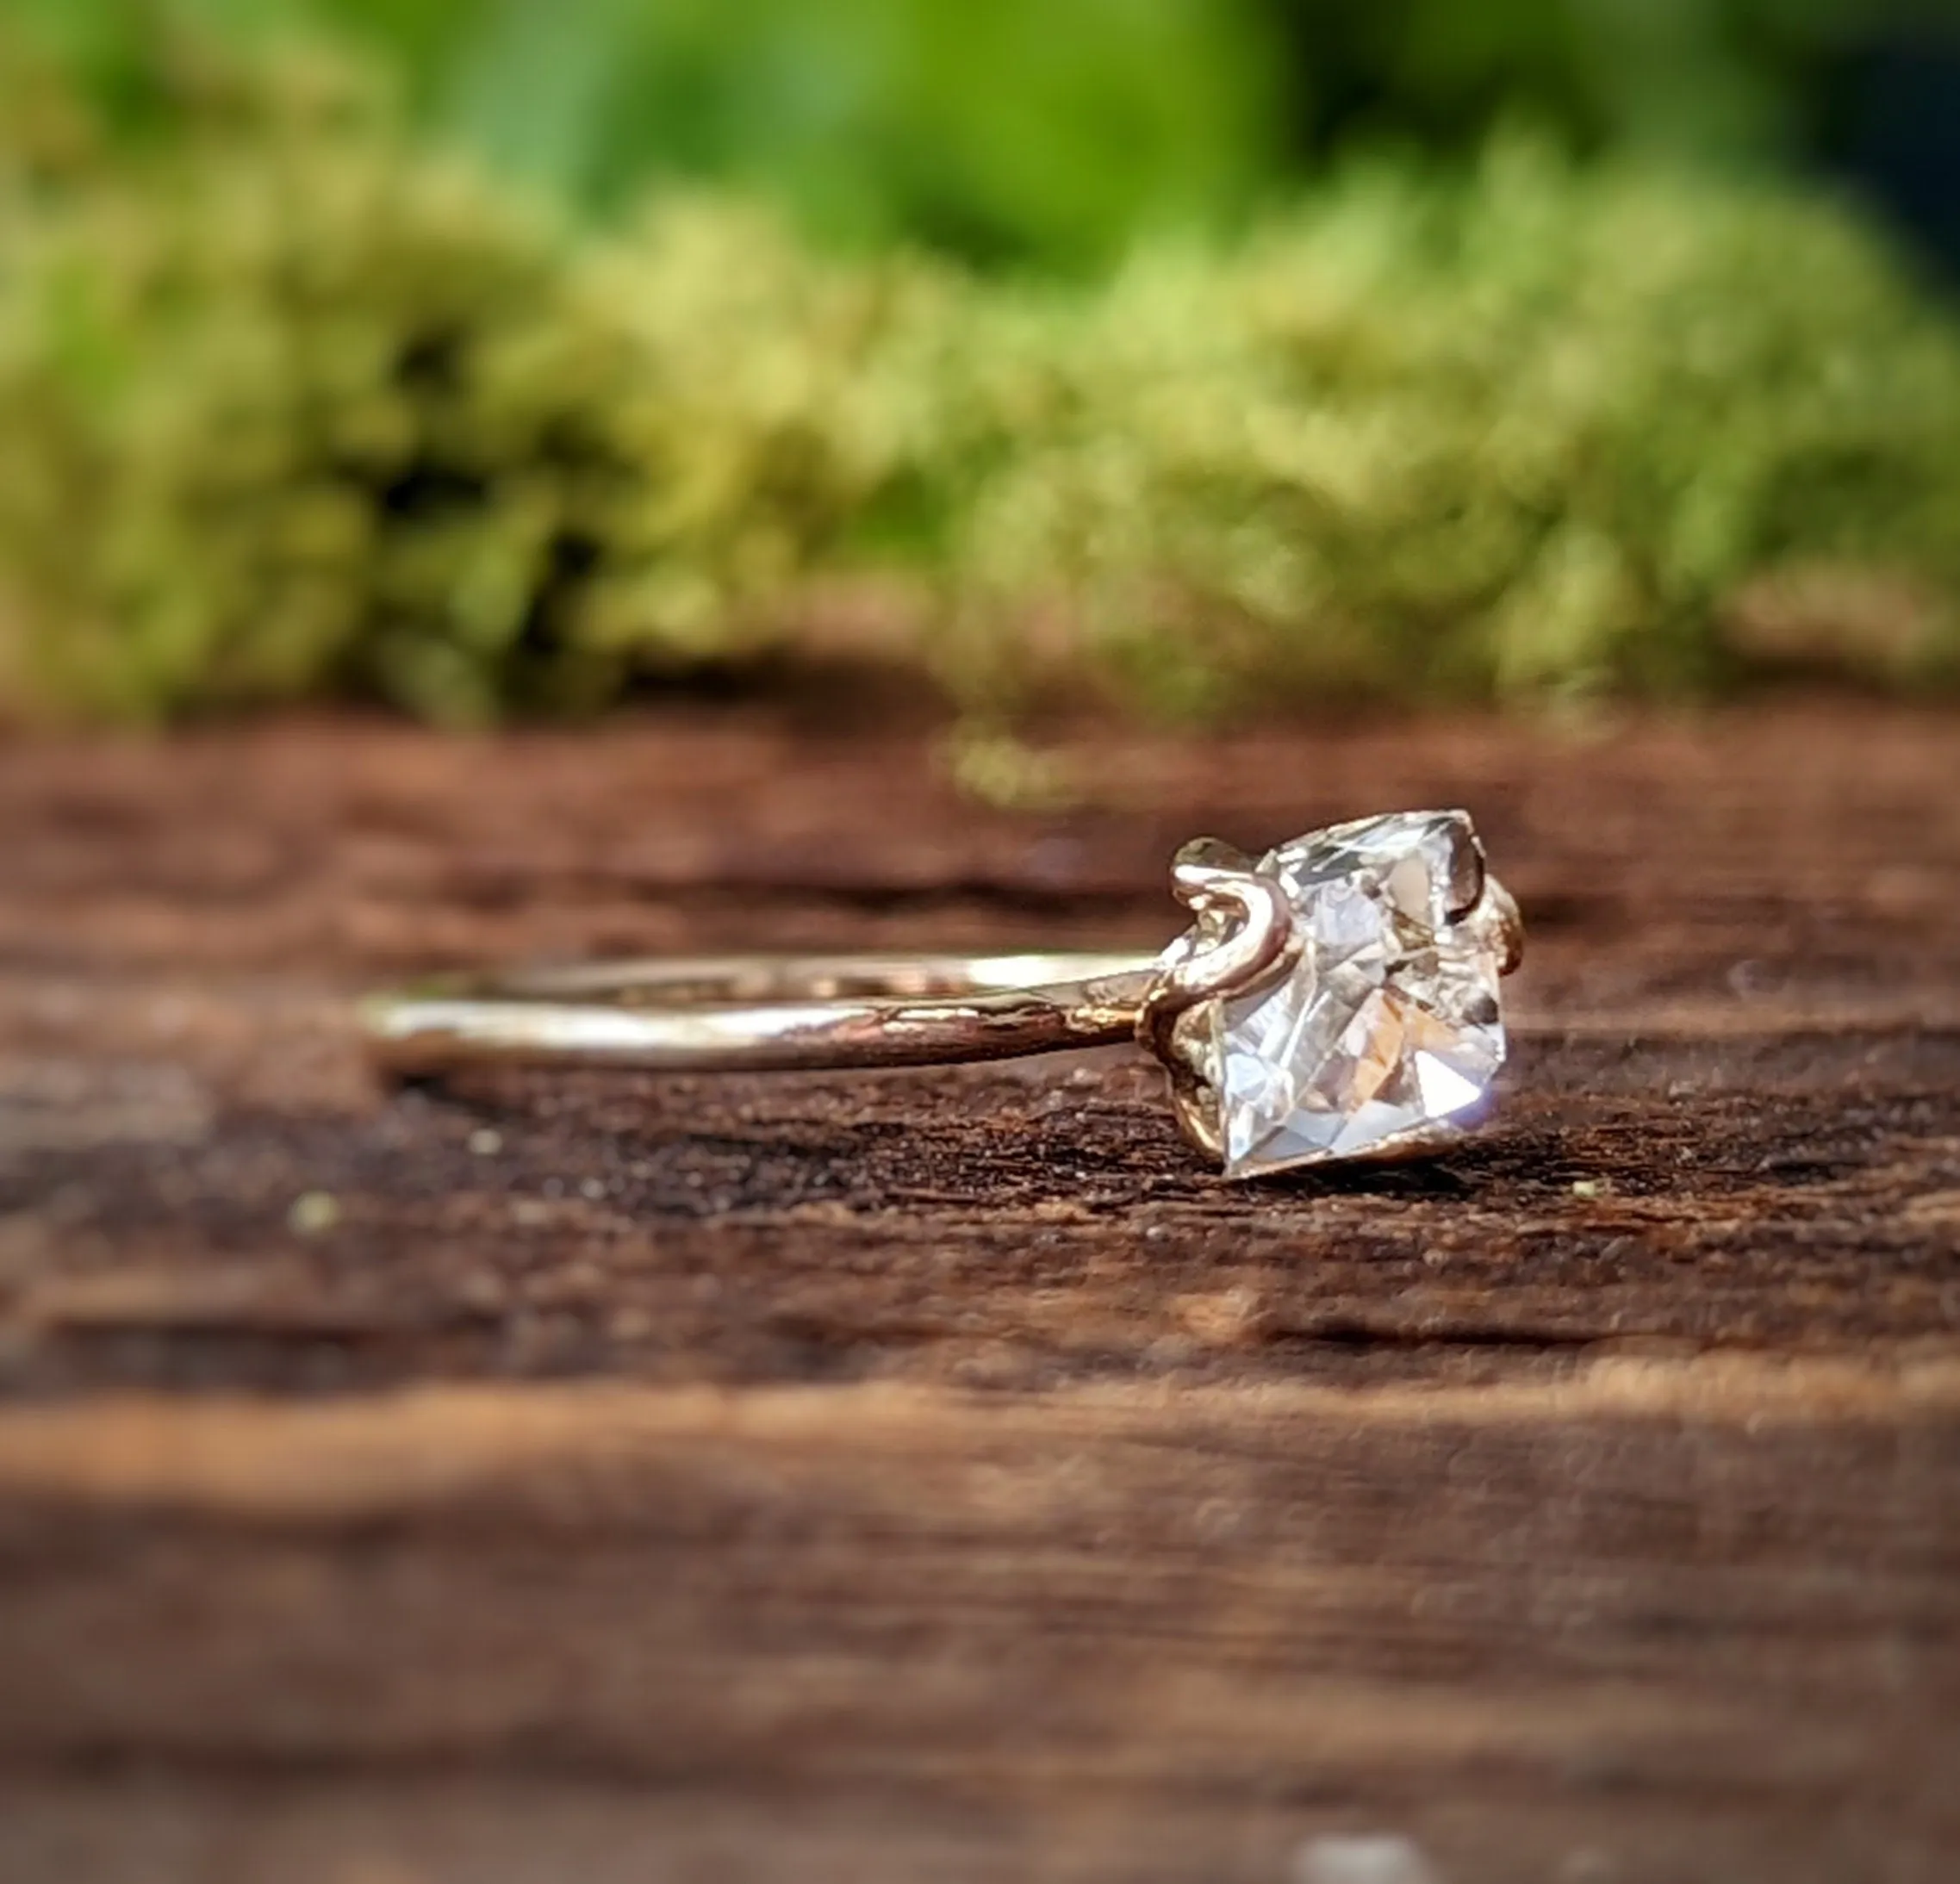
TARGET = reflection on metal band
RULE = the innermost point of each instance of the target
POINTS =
(760, 1012)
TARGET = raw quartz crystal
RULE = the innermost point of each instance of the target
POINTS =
(1388, 1028)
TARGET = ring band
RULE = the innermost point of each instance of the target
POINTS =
(1335, 999)
(770, 1013)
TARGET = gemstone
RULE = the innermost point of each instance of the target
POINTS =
(1386, 1032)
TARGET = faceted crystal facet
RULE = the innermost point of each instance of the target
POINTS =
(1388, 1027)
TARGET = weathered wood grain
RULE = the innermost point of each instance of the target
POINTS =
(1580, 1598)
(940, 1474)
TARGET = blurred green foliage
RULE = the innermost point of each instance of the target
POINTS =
(1536, 430)
(1703, 78)
(1051, 130)
(995, 128)
(292, 406)
(289, 409)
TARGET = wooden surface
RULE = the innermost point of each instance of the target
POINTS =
(940, 1476)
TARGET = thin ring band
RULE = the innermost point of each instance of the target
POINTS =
(763, 1013)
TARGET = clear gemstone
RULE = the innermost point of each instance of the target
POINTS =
(1388, 1027)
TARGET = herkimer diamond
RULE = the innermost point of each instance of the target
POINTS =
(1386, 1032)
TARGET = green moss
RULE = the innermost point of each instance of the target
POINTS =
(1532, 431)
(754, 399)
(288, 410)
(291, 408)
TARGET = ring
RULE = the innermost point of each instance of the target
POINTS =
(1335, 999)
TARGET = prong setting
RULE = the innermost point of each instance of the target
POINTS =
(1336, 998)
(1496, 920)
(1243, 941)
(1467, 871)
(1243, 938)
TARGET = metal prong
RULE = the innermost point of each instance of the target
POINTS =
(1467, 871)
(1498, 924)
(1207, 855)
(1243, 938)
(1243, 933)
